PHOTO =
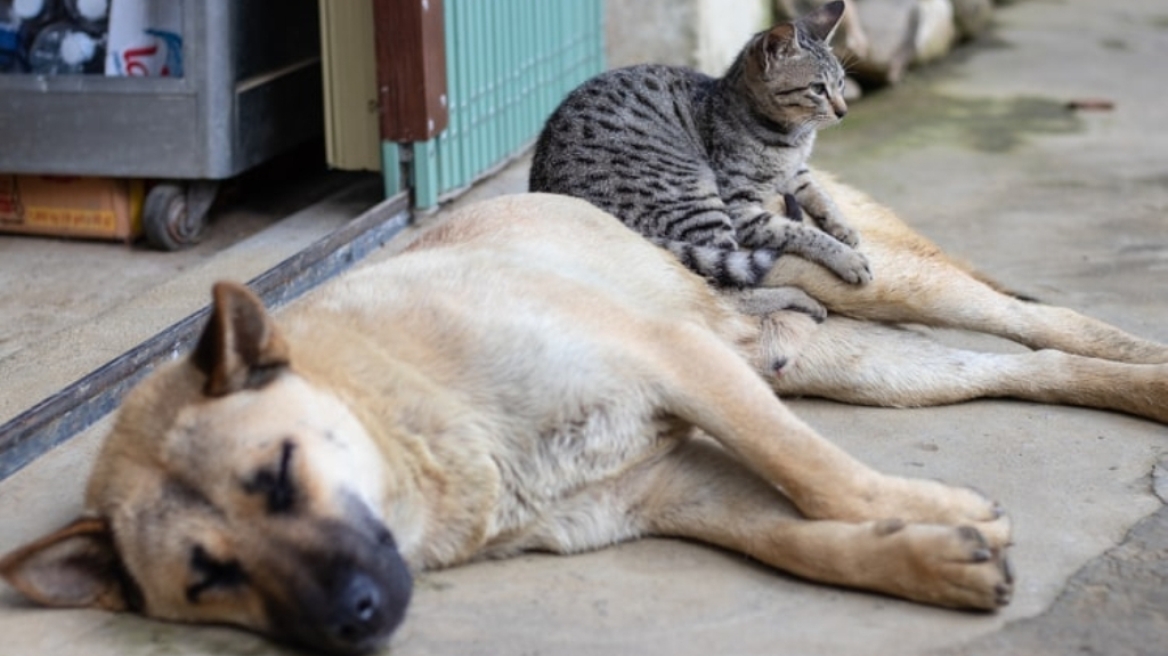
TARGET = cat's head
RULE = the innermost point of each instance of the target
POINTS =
(790, 75)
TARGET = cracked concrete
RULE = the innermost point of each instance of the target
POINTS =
(1116, 605)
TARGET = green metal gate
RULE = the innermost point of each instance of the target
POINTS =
(508, 63)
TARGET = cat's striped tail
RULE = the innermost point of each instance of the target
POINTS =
(723, 267)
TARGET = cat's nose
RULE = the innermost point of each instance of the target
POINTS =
(838, 106)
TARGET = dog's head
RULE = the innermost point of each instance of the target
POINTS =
(231, 490)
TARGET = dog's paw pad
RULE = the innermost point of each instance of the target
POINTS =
(955, 566)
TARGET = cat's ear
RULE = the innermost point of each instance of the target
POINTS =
(780, 41)
(823, 22)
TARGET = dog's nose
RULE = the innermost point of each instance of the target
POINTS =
(357, 611)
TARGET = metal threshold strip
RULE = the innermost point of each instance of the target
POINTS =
(59, 417)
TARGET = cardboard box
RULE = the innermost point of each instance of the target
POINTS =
(96, 208)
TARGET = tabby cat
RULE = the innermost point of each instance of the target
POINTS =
(688, 160)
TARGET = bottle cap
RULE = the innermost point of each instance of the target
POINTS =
(77, 48)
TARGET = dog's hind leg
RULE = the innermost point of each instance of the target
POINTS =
(875, 364)
(698, 492)
(701, 381)
(915, 282)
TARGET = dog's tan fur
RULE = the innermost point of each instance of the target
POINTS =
(530, 375)
(859, 355)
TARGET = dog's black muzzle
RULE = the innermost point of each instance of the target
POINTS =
(348, 592)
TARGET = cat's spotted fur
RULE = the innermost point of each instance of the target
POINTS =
(688, 160)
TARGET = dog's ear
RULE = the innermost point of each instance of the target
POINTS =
(75, 567)
(241, 348)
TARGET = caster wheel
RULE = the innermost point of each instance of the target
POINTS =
(167, 219)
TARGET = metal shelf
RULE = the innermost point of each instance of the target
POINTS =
(251, 89)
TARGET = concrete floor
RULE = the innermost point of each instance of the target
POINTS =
(982, 155)
(67, 307)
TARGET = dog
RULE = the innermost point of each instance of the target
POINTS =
(862, 354)
(532, 375)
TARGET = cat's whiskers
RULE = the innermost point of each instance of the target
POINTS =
(847, 60)
(686, 159)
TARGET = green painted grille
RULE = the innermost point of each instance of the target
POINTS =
(508, 63)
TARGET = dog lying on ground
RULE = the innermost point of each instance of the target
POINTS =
(532, 375)
(858, 355)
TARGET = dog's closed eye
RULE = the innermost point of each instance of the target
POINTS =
(213, 573)
(276, 484)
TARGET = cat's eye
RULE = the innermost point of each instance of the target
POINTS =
(820, 89)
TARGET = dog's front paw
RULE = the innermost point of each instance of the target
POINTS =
(955, 566)
(875, 497)
(933, 502)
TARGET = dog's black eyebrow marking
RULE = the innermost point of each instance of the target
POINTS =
(282, 496)
(281, 493)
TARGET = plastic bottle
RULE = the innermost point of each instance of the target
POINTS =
(11, 58)
(145, 38)
(89, 15)
(36, 14)
(62, 49)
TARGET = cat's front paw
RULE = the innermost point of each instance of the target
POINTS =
(761, 301)
(850, 265)
(813, 244)
(839, 229)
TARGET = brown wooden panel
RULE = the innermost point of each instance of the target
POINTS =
(411, 68)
